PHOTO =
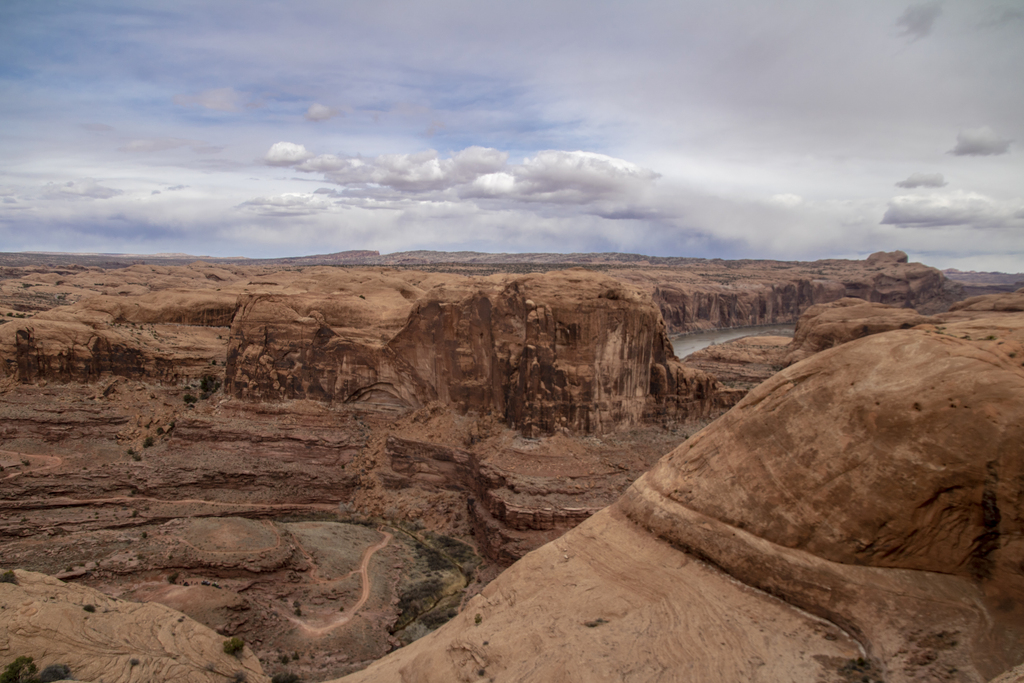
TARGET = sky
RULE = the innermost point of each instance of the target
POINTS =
(793, 129)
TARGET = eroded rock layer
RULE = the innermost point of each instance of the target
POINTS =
(572, 350)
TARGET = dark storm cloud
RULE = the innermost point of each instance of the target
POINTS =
(917, 20)
(943, 210)
(981, 141)
(923, 180)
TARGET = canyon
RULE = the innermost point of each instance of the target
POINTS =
(352, 452)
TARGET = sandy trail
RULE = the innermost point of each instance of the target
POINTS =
(364, 573)
(55, 461)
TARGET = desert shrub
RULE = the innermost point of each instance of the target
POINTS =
(189, 398)
(8, 577)
(172, 578)
(239, 677)
(89, 608)
(136, 457)
(209, 385)
(477, 619)
(159, 431)
(55, 672)
(21, 670)
(233, 646)
(131, 451)
(147, 442)
(286, 677)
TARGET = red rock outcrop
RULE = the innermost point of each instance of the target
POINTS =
(720, 294)
(572, 350)
(505, 508)
(874, 490)
(827, 325)
(743, 363)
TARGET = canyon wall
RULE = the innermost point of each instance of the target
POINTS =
(570, 350)
(721, 294)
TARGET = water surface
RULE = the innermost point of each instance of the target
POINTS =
(685, 344)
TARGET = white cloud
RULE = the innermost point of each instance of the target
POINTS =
(321, 112)
(150, 145)
(958, 208)
(219, 99)
(787, 200)
(922, 180)
(289, 204)
(86, 187)
(552, 176)
(981, 141)
(917, 20)
(286, 154)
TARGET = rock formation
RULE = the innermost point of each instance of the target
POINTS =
(105, 639)
(742, 364)
(873, 491)
(722, 294)
(572, 351)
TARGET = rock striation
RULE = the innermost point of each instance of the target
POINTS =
(101, 638)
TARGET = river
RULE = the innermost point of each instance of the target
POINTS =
(685, 344)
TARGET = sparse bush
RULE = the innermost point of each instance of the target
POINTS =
(55, 672)
(21, 670)
(239, 677)
(144, 534)
(147, 442)
(477, 619)
(233, 646)
(9, 577)
(134, 662)
(136, 457)
(172, 578)
(89, 608)
(131, 451)
(286, 677)
(159, 431)
(190, 399)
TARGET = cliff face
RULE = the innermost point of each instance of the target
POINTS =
(722, 294)
(570, 350)
(703, 307)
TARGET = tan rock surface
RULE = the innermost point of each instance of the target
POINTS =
(117, 642)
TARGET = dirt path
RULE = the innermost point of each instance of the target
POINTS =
(364, 573)
(55, 461)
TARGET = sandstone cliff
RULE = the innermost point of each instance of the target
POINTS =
(572, 350)
(873, 490)
(721, 294)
